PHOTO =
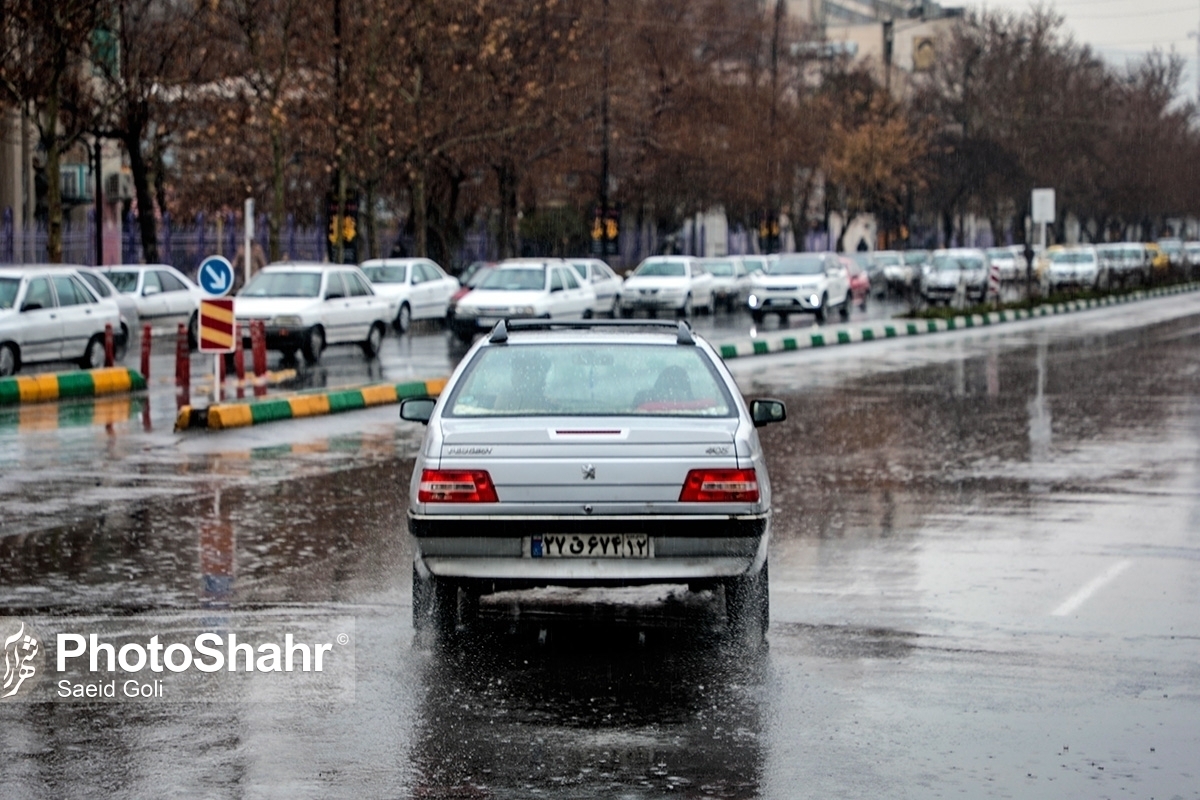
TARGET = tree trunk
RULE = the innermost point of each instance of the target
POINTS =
(506, 178)
(145, 202)
(276, 218)
(54, 210)
(420, 208)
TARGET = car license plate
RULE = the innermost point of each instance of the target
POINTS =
(589, 545)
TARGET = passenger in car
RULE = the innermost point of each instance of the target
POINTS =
(528, 385)
(671, 386)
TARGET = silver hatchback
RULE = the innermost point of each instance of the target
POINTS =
(589, 453)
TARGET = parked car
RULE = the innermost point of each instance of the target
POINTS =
(1173, 248)
(874, 269)
(49, 314)
(952, 270)
(521, 288)
(164, 295)
(1160, 263)
(416, 287)
(860, 284)
(668, 283)
(308, 306)
(898, 276)
(605, 283)
(801, 283)
(1123, 264)
(754, 264)
(102, 287)
(1071, 268)
(470, 278)
(1010, 260)
(731, 281)
(595, 453)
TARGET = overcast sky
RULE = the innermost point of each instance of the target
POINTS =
(1123, 29)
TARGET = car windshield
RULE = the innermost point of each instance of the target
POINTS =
(8, 291)
(283, 284)
(888, 260)
(1001, 254)
(721, 269)
(381, 274)
(945, 263)
(126, 281)
(590, 379)
(1072, 257)
(662, 269)
(915, 257)
(754, 264)
(516, 279)
(802, 265)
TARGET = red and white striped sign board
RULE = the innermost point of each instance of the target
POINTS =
(217, 326)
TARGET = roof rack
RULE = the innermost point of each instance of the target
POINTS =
(499, 334)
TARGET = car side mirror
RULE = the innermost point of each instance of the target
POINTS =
(417, 409)
(764, 412)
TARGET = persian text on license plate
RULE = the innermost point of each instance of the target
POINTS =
(589, 545)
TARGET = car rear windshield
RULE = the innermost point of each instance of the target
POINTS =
(804, 265)
(283, 284)
(1072, 257)
(126, 282)
(386, 274)
(515, 279)
(8, 291)
(662, 269)
(591, 379)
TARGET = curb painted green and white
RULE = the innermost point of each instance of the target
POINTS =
(306, 404)
(60, 385)
(790, 340)
(236, 415)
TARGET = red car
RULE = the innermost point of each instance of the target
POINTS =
(860, 284)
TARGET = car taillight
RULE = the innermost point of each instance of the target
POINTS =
(720, 486)
(456, 486)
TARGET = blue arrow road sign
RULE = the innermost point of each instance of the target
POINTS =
(216, 275)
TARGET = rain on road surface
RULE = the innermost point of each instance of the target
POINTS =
(985, 583)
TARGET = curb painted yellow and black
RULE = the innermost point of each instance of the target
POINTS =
(309, 404)
(787, 341)
(61, 385)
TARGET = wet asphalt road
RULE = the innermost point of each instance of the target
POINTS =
(985, 583)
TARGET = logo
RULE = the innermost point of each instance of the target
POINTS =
(589, 472)
(22, 658)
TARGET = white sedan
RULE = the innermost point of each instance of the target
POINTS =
(308, 306)
(163, 294)
(47, 313)
(668, 283)
(416, 287)
(523, 288)
(605, 283)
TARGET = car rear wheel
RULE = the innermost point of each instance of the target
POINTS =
(748, 604)
(314, 346)
(93, 354)
(687, 309)
(10, 361)
(403, 318)
(373, 341)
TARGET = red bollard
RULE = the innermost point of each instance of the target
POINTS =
(146, 352)
(239, 361)
(183, 368)
(258, 347)
(108, 344)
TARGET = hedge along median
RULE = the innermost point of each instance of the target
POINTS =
(240, 415)
(60, 385)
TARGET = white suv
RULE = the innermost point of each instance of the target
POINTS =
(795, 283)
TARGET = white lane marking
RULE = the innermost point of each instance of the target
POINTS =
(1090, 588)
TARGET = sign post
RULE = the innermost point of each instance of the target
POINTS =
(217, 325)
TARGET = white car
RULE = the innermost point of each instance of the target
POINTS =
(898, 275)
(130, 319)
(1010, 260)
(48, 313)
(164, 295)
(952, 270)
(522, 288)
(668, 283)
(731, 281)
(307, 306)
(1072, 268)
(605, 283)
(795, 283)
(416, 287)
(1122, 263)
